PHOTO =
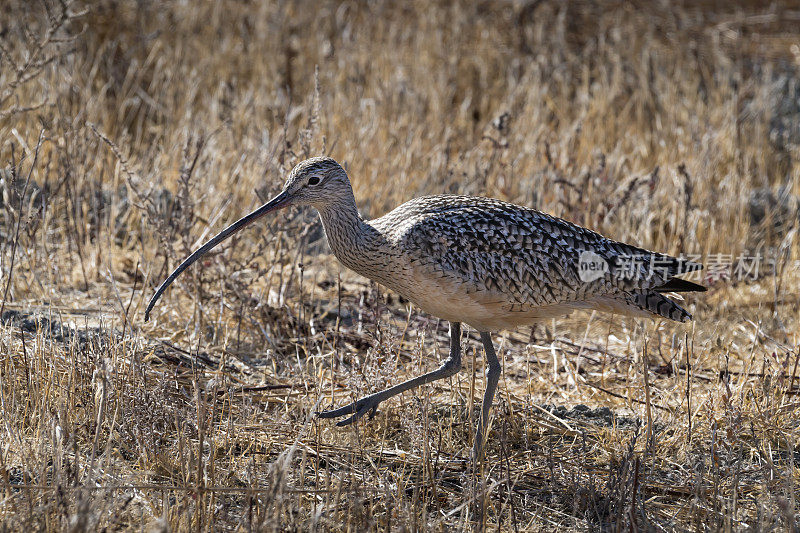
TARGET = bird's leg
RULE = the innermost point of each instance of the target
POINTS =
(359, 408)
(492, 377)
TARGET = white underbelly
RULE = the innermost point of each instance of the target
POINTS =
(452, 300)
(455, 300)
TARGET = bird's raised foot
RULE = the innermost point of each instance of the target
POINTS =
(367, 404)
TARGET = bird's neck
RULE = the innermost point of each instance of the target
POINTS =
(350, 237)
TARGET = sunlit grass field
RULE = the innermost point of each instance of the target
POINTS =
(131, 132)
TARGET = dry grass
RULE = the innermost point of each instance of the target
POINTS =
(131, 131)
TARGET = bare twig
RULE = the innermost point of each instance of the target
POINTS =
(15, 241)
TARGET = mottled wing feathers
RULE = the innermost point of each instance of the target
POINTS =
(492, 249)
(526, 258)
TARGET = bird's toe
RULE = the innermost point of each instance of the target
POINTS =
(356, 409)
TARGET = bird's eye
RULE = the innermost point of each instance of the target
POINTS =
(313, 180)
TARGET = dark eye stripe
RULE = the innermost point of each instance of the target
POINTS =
(313, 180)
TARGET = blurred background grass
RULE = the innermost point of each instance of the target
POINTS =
(130, 132)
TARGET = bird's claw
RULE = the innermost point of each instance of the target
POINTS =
(358, 409)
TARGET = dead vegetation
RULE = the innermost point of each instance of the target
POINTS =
(131, 131)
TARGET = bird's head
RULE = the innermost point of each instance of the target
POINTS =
(319, 182)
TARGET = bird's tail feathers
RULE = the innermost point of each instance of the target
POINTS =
(643, 304)
(680, 285)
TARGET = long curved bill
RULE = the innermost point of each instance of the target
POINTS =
(276, 203)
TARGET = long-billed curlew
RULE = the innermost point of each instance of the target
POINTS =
(484, 262)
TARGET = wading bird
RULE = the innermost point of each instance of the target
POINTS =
(484, 262)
